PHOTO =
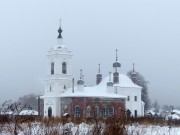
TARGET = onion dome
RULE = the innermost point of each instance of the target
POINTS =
(109, 84)
(116, 74)
(116, 63)
(80, 82)
(99, 75)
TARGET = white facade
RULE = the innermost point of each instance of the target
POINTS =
(59, 78)
(133, 102)
(59, 84)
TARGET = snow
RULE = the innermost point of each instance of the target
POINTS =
(176, 111)
(173, 116)
(137, 129)
(91, 92)
(101, 89)
(150, 112)
(84, 129)
(28, 112)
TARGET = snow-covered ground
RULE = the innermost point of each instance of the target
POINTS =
(136, 129)
(85, 129)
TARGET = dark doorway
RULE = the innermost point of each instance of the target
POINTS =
(49, 112)
(135, 113)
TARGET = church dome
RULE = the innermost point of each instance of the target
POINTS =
(109, 84)
(99, 75)
(116, 64)
(116, 74)
(133, 74)
(80, 82)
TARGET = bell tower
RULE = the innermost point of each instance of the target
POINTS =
(59, 76)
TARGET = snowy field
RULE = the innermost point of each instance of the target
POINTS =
(85, 129)
(152, 130)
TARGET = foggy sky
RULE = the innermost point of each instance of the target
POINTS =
(144, 32)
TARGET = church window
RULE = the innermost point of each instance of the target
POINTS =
(128, 98)
(104, 111)
(64, 86)
(50, 88)
(135, 113)
(77, 111)
(49, 112)
(88, 111)
(64, 68)
(111, 111)
(52, 68)
(135, 98)
(96, 111)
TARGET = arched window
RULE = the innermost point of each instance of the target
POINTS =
(96, 111)
(111, 111)
(64, 87)
(77, 111)
(52, 68)
(88, 111)
(50, 88)
(104, 111)
(49, 112)
(64, 68)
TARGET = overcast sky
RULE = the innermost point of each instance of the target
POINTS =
(146, 32)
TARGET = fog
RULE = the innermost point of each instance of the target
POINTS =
(144, 32)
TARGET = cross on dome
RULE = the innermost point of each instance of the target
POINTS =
(99, 67)
(116, 55)
(60, 30)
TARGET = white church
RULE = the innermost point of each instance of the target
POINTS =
(111, 96)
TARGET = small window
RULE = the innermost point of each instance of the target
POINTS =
(135, 113)
(128, 98)
(50, 88)
(49, 112)
(104, 111)
(77, 111)
(64, 86)
(135, 98)
(111, 111)
(96, 113)
(52, 68)
(64, 67)
(88, 111)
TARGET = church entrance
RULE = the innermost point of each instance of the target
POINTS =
(49, 112)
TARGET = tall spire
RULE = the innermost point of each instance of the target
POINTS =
(116, 64)
(60, 30)
(81, 75)
(99, 68)
(116, 55)
(110, 76)
(133, 74)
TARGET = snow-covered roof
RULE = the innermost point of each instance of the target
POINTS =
(101, 89)
(173, 116)
(176, 111)
(124, 81)
(91, 92)
(150, 112)
(28, 112)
